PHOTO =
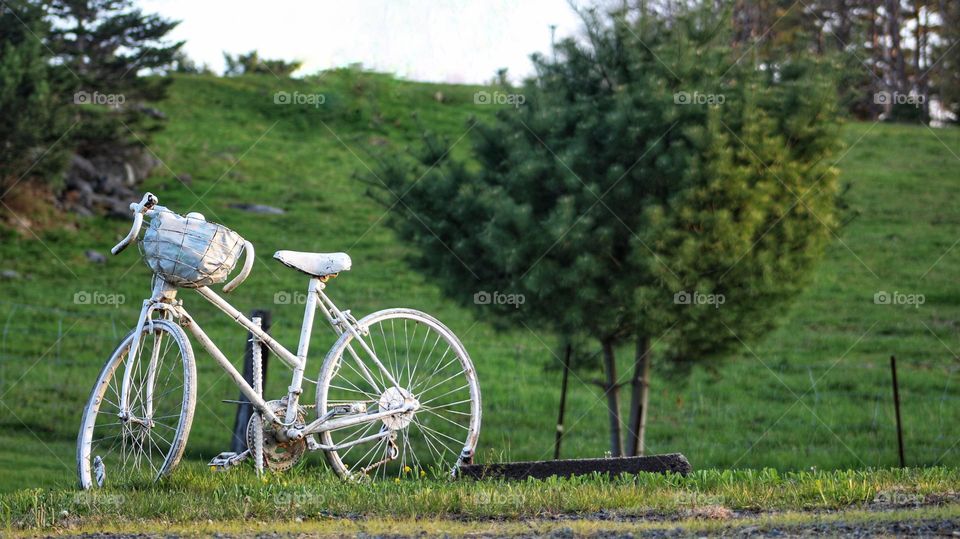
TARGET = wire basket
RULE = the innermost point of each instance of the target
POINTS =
(190, 252)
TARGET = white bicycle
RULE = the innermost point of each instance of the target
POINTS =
(397, 394)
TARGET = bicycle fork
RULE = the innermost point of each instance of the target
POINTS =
(162, 297)
(132, 355)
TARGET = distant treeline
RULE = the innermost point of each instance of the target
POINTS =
(900, 57)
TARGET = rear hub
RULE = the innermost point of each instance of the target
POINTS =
(395, 398)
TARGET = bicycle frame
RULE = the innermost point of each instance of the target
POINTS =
(164, 299)
(387, 404)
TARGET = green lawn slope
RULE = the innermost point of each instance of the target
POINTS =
(815, 393)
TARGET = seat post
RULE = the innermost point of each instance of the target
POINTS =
(296, 382)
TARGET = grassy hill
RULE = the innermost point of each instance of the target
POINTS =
(815, 393)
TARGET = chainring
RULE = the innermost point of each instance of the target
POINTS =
(277, 456)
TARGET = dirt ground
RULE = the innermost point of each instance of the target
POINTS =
(941, 520)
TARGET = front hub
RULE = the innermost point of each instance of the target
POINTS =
(395, 398)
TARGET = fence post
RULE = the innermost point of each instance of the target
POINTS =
(563, 402)
(896, 405)
(245, 409)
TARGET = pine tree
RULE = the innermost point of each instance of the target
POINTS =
(106, 48)
(32, 113)
(649, 189)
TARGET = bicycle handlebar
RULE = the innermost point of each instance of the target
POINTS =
(148, 201)
(248, 257)
(144, 207)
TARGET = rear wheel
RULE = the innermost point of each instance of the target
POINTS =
(146, 442)
(432, 370)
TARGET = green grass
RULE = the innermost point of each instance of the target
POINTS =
(197, 496)
(815, 393)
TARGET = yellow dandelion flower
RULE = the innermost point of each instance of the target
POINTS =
(407, 469)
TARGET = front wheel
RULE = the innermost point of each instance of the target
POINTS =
(145, 441)
(431, 369)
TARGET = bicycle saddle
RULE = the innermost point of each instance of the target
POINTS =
(315, 264)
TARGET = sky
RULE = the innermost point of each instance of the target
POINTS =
(458, 41)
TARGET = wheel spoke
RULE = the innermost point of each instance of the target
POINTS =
(440, 367)
(428, 401)
(427, 438)
(350, 364)
(363, 459)
(360, 434)
(452, 422)
(447, 406)
(438, 433)
(445, 380)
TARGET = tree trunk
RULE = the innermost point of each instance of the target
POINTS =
(922, 35)
(845, 26)
(896, 50)
(918, 41)
(639, 397)
(613, 399)
(878, 57)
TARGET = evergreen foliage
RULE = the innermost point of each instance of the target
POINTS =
(252, 63)
(105, 47)
(644, 167)
(31, 119)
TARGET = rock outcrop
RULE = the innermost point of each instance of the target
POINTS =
(105, 183)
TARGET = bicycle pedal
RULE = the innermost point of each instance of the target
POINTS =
(227, 460)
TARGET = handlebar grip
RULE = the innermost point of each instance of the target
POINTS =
(248, 255)
(131, 236)
(146, 203)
